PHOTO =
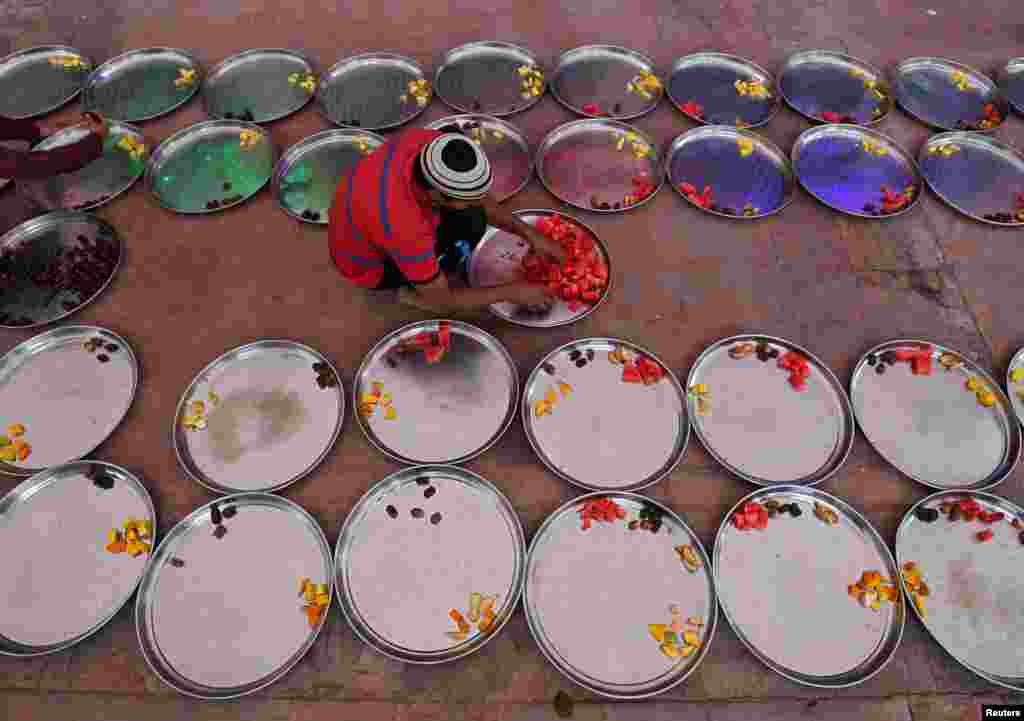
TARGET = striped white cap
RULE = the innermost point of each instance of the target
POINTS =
(456, 167)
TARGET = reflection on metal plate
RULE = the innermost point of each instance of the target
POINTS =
(598, 423)
(721, 89)
(58, 582)
(259, 85)
(607, 81)
(1015, 384)
(374, 91)
(946, 95)
(506, 149)
(259, 417)
(749, 416)
(749, 176)
(626, 583)
(308, 174)
(142, 84)
(219, 612)
(940, 420)
(38, 80)
(1011, 83)
(418, 546)
(785, 589)
(831, 87)
(493, 78)
(856, 171)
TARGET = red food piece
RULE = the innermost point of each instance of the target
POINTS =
(831, 117)
(582, 263)
(990, 518)
(601, 509)
(630, 374)
(649, 370)
(433, 354)
(444, 335)
(921, 364)
(594, 109)
(693, 109)
(984, 536)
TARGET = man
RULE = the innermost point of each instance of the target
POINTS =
(25, 165)
(409, 215)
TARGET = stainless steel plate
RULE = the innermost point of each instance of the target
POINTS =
(619, 581)
(53, 265)
(833, 164)
(258, 85)
(1015, 387)
(373, 91)
(68, 398)
(484, 77)
(417, 545)
(815, 82)
(927, 90)
(100, 181)
(307, 175)
(267, 419)
(497, 260)
(506, 149)
(607, 434)
(593, 81)
(932, 428)
(446, 412)
(219, 618)
(33, 82)
(143, 84)
(975, 590)
(757, 425)
(754, 185)
(205, 168)
(703, 87)
(977, 175)
(58, 584)
(588, 163)
(1011, 83)
(784, 591)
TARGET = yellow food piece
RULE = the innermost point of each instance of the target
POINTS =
(552, 397)
(474, 606)
(919, 605)
(540, 408)
(303, 584)
(390, 414)
(1017, 375)
(688, 651)
(457, 635)
(974, 383)
(871, 579)
(4, 441)
(691, 638)
(565, 388)
(987, 398)
(369, 399)
(322, 599)
(854, 591)
(670, 650)
(699, 389)
(746, 146)
(888, 593)
(487, 605)
(695, 621)
(657, 631)
(8, 454)
(15, 429)
(309, 595)
(113, 536)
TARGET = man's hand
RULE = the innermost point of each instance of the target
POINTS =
(523, 293)
(543, 244)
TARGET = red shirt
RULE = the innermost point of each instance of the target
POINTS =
(381, 213)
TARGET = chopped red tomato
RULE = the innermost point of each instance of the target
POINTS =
(693, 109)
(630, 374)
(581, 278)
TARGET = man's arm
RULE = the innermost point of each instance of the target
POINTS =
(439, 297)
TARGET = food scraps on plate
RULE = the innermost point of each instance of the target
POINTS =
(960, 80)
(546, 405)
(693, 109)
(420, 90)
(325, 376)
(595, 110)
(646, 85)
(377, 398)
(825, 514)
(636, 367)
(578, 281)
(481, 612)
(916, 586)
(249, 139)
(968, 509)
(753, 516)
(944, 149)
(136, 150)
(197, 411)
(752, 89)
(306, 81)
(891, 202)
(701, 398)
(689, 558)
(650, 518)
(796, 363)
(874, 148)
(1015, 216)
(830, 117)
(434, 345)
(677, 639)
(532, 83)
(990, 118)
(316, 598)
(69, 62)
(13, 446)
(94, 344)
(746, 146)
(985, 395)
(135, 538)
(872, 590)
(186, 78)
(638, 146)
(603, 510)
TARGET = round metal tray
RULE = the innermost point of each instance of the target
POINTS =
(1015, 390)
(31, 85)
(254, 85)
(833, 165)
(589, 162)
(206, 163)
(497, 259)
(506, 148)
(450, 411)
(399, 572)
(58, 584)
(306, 177)
(625, 580)
(925, 90)
(755, 185)
(371, 91)
(596, 77)
(142, 84)
(38, 243)
(483, 77)
(758, 426)
(784, 591)
(1011, 83)
(267, 419)
(69, 399)
(975, 175)
(702, 86)
(931, 427)
(220, 616)
(974, 589)
(607, 435)
(815, 82)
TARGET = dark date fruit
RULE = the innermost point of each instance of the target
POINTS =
(422, 481)
(429, 492)
(215, 515)
(229, 512)
(417, 513)
(928, 515)
(794, 510)
(177, 563)
(103, 358)
(392, 511)
(435, 518)
(219, 532)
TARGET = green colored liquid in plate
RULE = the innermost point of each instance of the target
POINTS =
(214, 169)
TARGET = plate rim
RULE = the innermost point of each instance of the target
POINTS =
(1015, 361)
(40, 340)
(678, 63)
(209, 484)
(620, 50)
(705, 129)
(452, 323)
(896, 73)
(835, 55)
(181, 528)
(1003, 75)
(496, 45)
(93, 78)
(863, 524)
(45, 477)
(715, 603)
(849, 422)
(526, 417)
(521, 553)
(212, 73)
(40, 49)
(657, 172)
(1012, 435)
(381, 55)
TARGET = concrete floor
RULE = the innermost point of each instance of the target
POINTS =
(193, 287)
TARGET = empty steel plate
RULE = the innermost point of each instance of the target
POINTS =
(259, 86)
(600, 165)
(142, 84)
(605, 81)
(374, 91)
(38, 80)
(947, 95)
(308, 174)
(490, 77)
(834, 88)
(1011, 82)
(720, 89)
(857, 171)
(505, 146)
(748, 176)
